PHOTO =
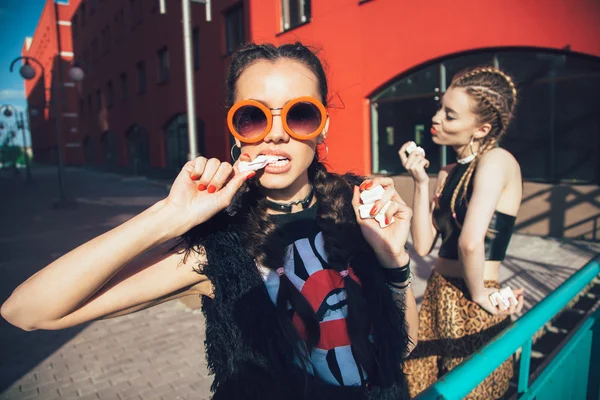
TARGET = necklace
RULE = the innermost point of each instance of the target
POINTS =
(287, 207)
(467, 159)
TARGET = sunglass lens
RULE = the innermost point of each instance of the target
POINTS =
(304, 118)
(250, 121)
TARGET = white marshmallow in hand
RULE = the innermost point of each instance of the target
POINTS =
(369, 197)
(258, 163)
(413, 147)
(502, 296)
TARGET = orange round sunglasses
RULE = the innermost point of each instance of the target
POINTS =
(303, 118)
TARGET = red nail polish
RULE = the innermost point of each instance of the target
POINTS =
(362, 186)
(251, 175)
(201, 187)
(387, 221)
(194, 177)
(369, 185)
(212, 189)
(246, 155)
(373, 210)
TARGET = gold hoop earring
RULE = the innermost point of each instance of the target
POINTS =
(233, 157)
(471, 146)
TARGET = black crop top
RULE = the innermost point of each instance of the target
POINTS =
(499, 231)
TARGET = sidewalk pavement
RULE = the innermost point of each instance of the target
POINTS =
(156, 353)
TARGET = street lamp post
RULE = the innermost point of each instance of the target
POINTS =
(9, 111)
(76, 74)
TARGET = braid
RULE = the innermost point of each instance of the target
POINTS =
(494, 95)
(343, 239)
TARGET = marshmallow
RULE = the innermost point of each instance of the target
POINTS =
(503, 296)
(413, 147)
(372, 195)
(369, 197)
(258, 163)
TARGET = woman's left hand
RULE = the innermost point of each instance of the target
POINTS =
(388, 243)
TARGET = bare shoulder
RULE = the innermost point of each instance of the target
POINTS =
(498, 157)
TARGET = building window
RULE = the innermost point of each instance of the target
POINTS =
(196, 47)
(99, 99)
(176, 141)
(83, 16)
(86, 59)
(138, 149)
(137, 11)
(88, 148)
(74, 24)
(110, 94)
(95, 51)
(141, 76)
(124, 92)
(550, 145)
(106, 40)
(294, 13)
(164, 67)
(109, 150)
(234, 28)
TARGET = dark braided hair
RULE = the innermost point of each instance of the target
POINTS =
(336, 219)
(495, 96)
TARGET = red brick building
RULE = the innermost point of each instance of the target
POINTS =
(51, 45)
(388, 63)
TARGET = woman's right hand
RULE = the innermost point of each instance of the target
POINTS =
(415, 163)
(515, 305)
(203, 188)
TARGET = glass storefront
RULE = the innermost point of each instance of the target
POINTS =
(555, 135)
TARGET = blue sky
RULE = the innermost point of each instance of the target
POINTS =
(18, 19)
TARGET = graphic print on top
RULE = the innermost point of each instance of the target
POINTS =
(306, 266)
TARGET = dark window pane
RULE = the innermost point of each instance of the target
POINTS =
(577, 128)
(457, 64)
(234, 28)
(404, 112)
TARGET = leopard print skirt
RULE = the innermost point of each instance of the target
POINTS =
(451, 328)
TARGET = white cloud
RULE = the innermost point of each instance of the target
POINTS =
(12, 94)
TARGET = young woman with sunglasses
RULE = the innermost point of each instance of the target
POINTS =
(303, 298)
(474, 208)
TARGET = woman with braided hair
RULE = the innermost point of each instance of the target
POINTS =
(474, 210)
(303, 297)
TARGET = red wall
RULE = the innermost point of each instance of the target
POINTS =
(367, 45)
(161, 102)
(48, 41)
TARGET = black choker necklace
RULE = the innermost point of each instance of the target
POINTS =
(287, 207)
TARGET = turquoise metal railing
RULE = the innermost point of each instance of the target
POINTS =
(460, 381)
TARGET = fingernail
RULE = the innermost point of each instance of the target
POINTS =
(212, 189)
(373, 210)
(194, 177)
(387, 221)
(201, 187)
(369, 185)
(362, 186)
(246, 155)
(251, 175)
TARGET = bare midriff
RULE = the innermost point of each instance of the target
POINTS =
(454, 268)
